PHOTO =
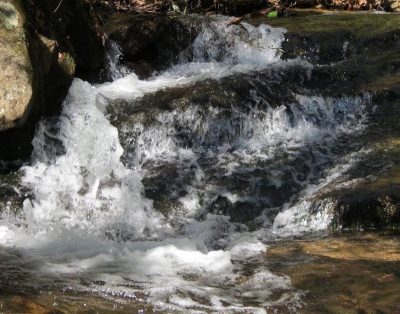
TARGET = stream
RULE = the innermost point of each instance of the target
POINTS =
(197, 190)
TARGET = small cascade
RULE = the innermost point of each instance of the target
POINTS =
(114, 68)
(171, 203)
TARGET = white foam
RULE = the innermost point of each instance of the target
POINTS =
(87, 187)
(245, 247)
(6, 235)
(311, 119)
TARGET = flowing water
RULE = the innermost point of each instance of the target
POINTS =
(162, 193)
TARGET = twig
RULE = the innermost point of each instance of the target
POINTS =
(58, 6)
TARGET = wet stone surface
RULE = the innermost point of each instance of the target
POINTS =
(343, 273)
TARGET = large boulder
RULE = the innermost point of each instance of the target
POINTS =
(43, 45)
(16, 74)
(34, 79)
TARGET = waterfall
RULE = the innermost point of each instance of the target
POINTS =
(122, 192)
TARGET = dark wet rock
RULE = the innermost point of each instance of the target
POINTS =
(368, 208)
(275, 86)
(164, 186)
(149, 42)
(238, 211)
(75, 27)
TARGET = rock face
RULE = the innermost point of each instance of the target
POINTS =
(73, 25)
(148, 42)
(16, 74)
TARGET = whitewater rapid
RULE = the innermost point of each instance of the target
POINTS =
(88, 215)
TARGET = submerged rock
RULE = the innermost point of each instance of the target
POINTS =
(342, 273)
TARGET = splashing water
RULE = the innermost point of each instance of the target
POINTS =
(115, 69)
(89, 216)
(217, 52)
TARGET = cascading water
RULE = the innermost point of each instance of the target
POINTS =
(143, 208)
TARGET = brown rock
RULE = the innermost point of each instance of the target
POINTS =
(16, 70)
(393, 5)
